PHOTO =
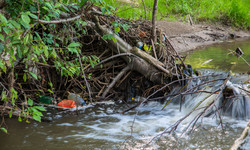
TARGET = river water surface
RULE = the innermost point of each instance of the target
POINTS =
(101, 126)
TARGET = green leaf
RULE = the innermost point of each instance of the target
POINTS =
(103, 9)
(39, 108)
(71, 45)
(6, 30)
(50, 91)
(36, 112)
(19, 52)
(24, 77)
(33, 16)
(117, 29)
(46, 52)
(1, 47)
(33, 75)
(30, 102)
(10, 114)
(38, 36)
(114, 39)
(25, 25)
(26, 39)
(37, 118)
(114, 23)
(3, 19)
(107, 36)
(1, 37)
(19, 118)
(57, 5)
(4, 130)
(15, 24)
(25, 18)
(45, 8)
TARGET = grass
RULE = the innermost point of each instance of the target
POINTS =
(231, 12)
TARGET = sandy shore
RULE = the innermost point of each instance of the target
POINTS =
(186, 37)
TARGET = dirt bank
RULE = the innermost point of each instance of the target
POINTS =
(185, 37)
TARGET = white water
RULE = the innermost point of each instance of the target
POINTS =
(101, 126)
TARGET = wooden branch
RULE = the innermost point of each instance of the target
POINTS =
(60, 20)
(137, 63)
(153, 46)
(154, 37)
(29, 29)
(86, 82)
(159, 65)
(171, 46)
(145, 10)
(238, 142)
(118, 77)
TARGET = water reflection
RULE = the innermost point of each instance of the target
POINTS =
(219, 57)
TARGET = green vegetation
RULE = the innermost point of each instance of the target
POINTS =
(230, 12)
(28, 41)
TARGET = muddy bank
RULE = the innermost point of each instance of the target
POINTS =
(185, 37)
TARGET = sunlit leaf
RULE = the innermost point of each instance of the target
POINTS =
(33, 75)
(30, 102)
(1, 37)
(117, 29)
(46, 52)
(40, 108)
(15, 24)
(3, 19)
(4, 130)
(50, 91)
(37, 118)
(19, 118)
(10, 114)
(71, 45)
(25, 18)
(33, 16)
(24, 77)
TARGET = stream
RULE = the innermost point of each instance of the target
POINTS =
(101, 126)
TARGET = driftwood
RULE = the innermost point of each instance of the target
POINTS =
(240, 141)
(144, 63)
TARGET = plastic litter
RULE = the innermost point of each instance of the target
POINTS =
(67, 103)
(45, 99)
(78, 100)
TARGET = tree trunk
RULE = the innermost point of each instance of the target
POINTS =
(154, 37)
(150, 70)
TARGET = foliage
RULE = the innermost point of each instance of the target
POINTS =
(233, 12)
(27, 41)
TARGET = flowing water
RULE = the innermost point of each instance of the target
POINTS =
(101, 126)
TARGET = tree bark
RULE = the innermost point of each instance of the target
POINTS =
(137, 64)
(154, 37)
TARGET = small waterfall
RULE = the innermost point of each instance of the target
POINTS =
(236, 105)
(240, 101)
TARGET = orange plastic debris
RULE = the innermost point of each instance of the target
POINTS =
(67, 103)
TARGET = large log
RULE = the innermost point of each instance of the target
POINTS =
(144, 64)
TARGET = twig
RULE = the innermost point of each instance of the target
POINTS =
(60, 20)
(145, 10)
(153, 46)
(84, 76)
(111, 85)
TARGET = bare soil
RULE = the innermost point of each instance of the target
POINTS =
(186, 37)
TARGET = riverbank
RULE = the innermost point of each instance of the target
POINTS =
(186, 37)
